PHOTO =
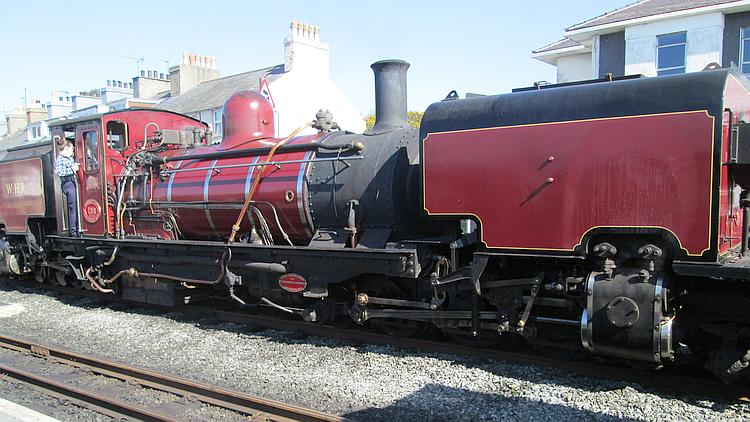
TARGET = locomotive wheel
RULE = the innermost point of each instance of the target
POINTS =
(382, 287)
(61, 278)
(485, 340)
(342, 294)
(41, 275)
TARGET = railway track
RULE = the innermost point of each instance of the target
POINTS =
(34, 367)
(668, 381)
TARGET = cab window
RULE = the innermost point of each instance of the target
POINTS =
(91, 148)
(117, 135)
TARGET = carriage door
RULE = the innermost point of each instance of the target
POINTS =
(91, 172)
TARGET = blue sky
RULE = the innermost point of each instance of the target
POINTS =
(469, 46)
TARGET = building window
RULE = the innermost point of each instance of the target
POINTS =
(217, 123)
(670, 53)
(745, 50)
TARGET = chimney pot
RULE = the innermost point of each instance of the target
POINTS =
(143, 73)
(161, 76)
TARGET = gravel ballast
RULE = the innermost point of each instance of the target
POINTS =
(362, 382)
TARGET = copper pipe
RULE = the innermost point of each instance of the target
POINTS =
(180, 279)
(116, 276)
(254, 186)
(95, 284)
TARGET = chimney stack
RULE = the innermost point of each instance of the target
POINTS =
(390, 95)
(193, 70)
(304, 52)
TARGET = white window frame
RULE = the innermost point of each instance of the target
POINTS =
(659, 47)
(742, 49)
(218, 128)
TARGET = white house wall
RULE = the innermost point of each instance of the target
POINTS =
(704, 42)
(574, 68)
(298, 96)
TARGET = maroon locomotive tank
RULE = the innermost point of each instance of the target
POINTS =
(637, 156)
(207, 196)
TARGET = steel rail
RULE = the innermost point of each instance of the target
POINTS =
(664, 381)
(215, 396)
(81, 395)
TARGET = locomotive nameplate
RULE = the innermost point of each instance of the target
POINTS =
(546, 186)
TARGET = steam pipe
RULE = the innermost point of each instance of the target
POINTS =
(390, 95)
(254, 152)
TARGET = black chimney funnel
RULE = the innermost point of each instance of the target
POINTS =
(390, 95)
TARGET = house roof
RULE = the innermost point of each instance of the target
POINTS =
(15, 139)
(558, 45)
(212, 94)
(645, 8)
(577, 35)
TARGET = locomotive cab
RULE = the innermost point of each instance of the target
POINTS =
(102, 144)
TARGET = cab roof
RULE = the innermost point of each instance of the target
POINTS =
(93, 117)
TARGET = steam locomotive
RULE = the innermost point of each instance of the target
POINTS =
(608, 216)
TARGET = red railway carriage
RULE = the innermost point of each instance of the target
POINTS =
(27, 201)
(23, 192)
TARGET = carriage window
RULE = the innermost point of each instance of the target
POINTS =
(117, 135)
(91, 151)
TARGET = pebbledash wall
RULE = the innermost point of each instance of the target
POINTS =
(704, 42)
(306, 85)
(627, 44)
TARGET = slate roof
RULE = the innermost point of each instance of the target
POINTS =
(557, 45)
(646, 8)
(14, 140)
(212, 94)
